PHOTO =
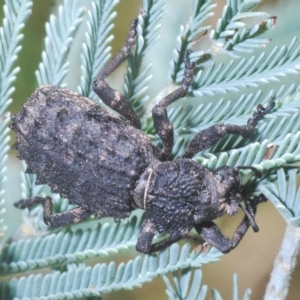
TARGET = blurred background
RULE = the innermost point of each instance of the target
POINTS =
(253, 259)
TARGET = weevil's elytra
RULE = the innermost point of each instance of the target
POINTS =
(80, 147)
(108, 167)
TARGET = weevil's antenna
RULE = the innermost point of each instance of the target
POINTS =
(258, 174)
(250, 218)
(248, 213)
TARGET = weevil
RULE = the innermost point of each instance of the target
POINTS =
(108, 167)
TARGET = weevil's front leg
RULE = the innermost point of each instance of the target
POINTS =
(162, 124)
(72, 216)
(211, 234)
(208, 137)
(147, 232)
(163, 244)
(109, 96)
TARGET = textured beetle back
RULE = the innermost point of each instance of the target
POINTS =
(81, 150)
(174, 194)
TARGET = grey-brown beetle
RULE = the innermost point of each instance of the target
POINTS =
(108, 167)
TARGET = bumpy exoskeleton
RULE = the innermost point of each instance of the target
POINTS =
(108, 167)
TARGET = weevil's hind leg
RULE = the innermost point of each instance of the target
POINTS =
(147, 232)
(162, 124)
(72, 216)
(208, 137)
(109, 96)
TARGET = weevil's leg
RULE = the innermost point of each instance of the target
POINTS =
(109, 96)
(72, 216)
(162, 124)
(208, 137)
(147, 232)
(163, 244)
(210, 232)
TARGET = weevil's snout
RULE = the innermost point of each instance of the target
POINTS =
(233, 208)
(229, 189)
(229, 180)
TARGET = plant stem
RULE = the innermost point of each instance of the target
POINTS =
(284, 265)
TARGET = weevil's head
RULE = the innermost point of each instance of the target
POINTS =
(228, 189)
(231, 192)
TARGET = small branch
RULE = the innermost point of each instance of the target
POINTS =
(284, 265)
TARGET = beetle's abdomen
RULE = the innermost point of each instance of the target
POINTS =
(81, 150)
